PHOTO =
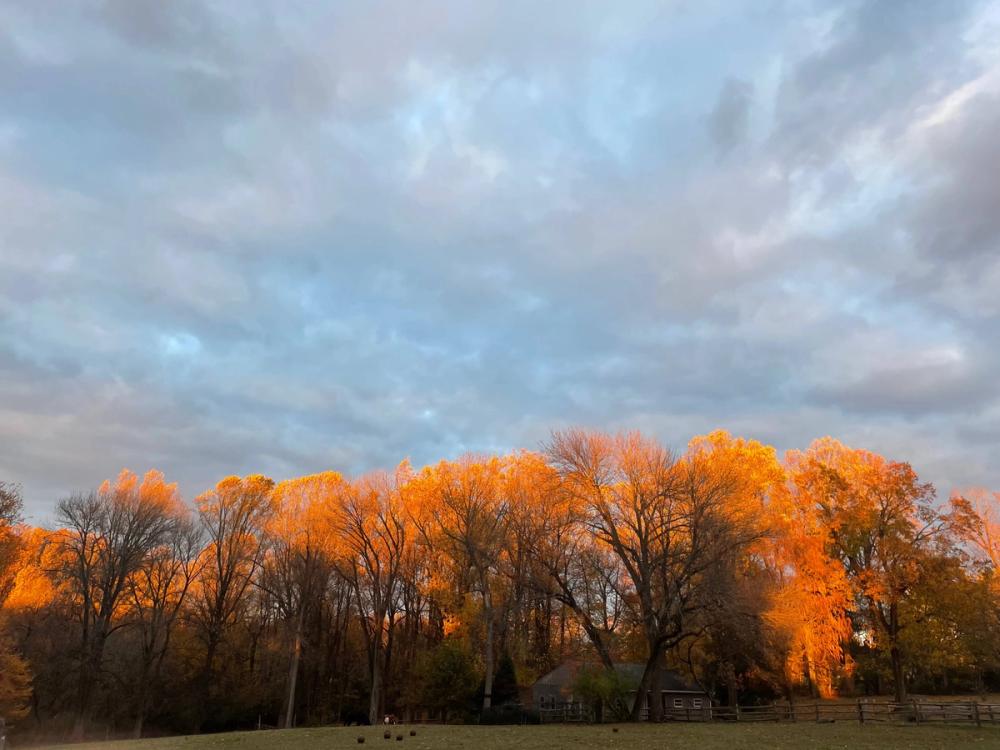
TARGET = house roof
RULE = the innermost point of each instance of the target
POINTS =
(667, 680)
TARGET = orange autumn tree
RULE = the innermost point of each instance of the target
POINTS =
(332, 599)
(559, 562)
(15, 675)
(33, 589)
(11, 506)
(373, 533)
(581, 583)
(233, 518)
(298, 560)
(467, 520)
(570, 567)
(879, 521)
(795, 596)
(107, 537)
(983, 531)
(743, 635)
(813, 599)
(980, 509)
(157, 592)
(671, 523)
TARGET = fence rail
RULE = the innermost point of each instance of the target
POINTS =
(912, 712)
(571, 712)
(862, 711)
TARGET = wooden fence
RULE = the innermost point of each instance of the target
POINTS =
(566, 713)
(862, 711)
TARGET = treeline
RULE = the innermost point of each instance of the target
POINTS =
(332, 599)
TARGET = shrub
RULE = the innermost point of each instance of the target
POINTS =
(604, 687)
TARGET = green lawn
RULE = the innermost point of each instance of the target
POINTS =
(640, 737)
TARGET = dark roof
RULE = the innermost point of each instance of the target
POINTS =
(667, 679)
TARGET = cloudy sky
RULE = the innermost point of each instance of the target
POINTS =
(237, 238)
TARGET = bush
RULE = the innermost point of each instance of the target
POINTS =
(606, 688)
(505, 682)
(444, 681)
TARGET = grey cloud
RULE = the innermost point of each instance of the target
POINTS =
(303, 237)
(958, 217)
(915, 390)
(869, 73)
(730, 119)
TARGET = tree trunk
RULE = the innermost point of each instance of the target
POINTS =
(732, 694)
(207, 673)
(387, 660)
(899, 681)
(90, 667)
(488, 679)
(140, 719)
(293, 668)
(895, 656)
(376, 692)
(141, 701)
(83, 701)
(647, 686)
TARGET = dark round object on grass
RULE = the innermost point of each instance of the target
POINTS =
(361, 740)
(413, 732)
(387, 735)
(614, 729)
(399, 738)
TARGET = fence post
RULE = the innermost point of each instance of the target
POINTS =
(737, 712)
(975, 713)
(816, 706)
(861, 712)
(791, 712)
(916, 711)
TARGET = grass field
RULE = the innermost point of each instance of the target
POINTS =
(800, 736)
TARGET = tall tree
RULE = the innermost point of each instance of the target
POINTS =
(568, 565)
(11, 506)
(298, 561)
(469, 522)
(234, 518)
(670, 523)
(108, 536)
(368, 518)
(880, 522)
(15, 675)
(982, 508)
(156, 595)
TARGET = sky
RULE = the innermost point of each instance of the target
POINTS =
(297, 236)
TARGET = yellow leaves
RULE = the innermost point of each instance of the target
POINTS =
(153, 491)
(15, 682)
(33, 587)
(980, 511)
(368, 521)
(760, 494)
(806, 613)
(237, 511)
(587, 515)
(226, 490)
(301, 509)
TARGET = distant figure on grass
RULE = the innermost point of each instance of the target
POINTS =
(390, 719)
